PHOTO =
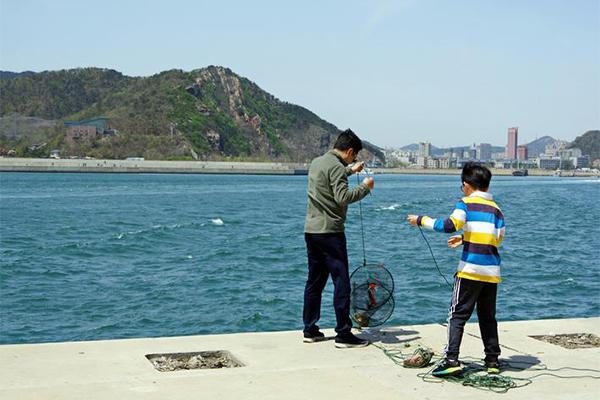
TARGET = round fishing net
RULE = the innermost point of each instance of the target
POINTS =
(372, 299)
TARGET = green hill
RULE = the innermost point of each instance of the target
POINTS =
(589, 143)
(209, 113)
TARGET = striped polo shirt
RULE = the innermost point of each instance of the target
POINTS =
(483, 228)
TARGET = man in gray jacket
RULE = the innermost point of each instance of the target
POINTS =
(328, 199)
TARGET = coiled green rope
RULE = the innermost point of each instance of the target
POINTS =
(474, 374)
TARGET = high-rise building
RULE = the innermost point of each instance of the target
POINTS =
(522, 152)
(511, 146)
(484, 151)
(425, 149)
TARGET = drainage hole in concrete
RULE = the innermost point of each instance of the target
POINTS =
(196, 360)
(571, 340)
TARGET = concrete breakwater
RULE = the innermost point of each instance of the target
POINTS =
(495, 171)
(150, 166)
(219, 167)
(277, 365)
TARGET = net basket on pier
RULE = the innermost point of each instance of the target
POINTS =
(372, 299)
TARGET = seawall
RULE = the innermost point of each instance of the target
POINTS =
(149, 166)
(10, 164)
(277, 365)
(495, 171)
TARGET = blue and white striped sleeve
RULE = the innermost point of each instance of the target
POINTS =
(453, 223)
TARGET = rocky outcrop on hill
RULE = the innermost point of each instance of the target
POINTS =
(212, 112)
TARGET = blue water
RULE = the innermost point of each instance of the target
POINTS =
(97, 256)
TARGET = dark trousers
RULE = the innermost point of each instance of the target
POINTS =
(466, 294)
(327, 254)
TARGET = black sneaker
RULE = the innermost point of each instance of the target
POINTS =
(447, 368)
(492, 367)
(312, 337)
(348, 340)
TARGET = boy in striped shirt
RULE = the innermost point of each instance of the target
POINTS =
(478, 272)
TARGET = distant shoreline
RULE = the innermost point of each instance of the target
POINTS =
(149, 166)
(216, 167)
(495, 171)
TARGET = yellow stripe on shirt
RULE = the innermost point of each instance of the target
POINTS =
(477, 277)
(480, 200)
(458, 224)
(480, 238)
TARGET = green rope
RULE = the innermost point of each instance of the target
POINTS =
(474, 374)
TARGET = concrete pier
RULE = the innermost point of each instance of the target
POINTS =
(277, 365)
(12, 164)
(149, 166)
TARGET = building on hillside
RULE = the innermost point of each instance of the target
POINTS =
(522, 153)
(80, 132)
(110, 132)
(511, 146)
(88, 129)
(36, 146)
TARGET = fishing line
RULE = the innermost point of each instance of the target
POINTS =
(372, 295)
(362, 226)
(432, 256)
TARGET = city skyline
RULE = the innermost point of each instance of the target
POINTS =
(494, 143)
(393, 71)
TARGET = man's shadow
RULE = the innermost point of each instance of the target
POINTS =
(382, 335)
(520, 363)
(388, 336)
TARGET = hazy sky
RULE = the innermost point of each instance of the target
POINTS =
(452, 72)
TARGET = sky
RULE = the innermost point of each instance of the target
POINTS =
(452, 72)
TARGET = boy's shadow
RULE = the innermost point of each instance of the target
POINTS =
(520, 363)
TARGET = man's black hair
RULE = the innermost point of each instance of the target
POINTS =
(476, 175)
(348, 140)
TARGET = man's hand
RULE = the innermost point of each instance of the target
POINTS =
(455, 241)
(412, 219)
(357, 167)
(370, 182)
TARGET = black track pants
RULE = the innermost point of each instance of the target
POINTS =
(466, 294)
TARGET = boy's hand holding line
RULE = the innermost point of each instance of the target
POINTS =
(412, 219)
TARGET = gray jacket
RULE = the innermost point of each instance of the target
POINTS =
(329, 195)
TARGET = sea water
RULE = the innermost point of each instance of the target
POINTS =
(100, 256)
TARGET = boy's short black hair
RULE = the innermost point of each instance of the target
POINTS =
(476, 175)
(348, 140)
